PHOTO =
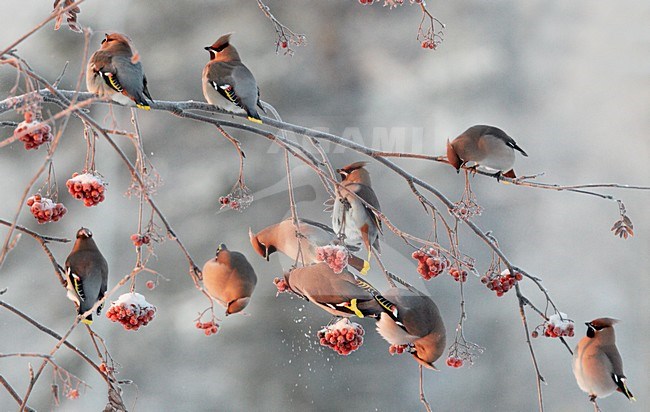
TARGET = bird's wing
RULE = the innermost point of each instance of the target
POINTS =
(366, 193)
(509, 141)
(221, 77)
(128, 77)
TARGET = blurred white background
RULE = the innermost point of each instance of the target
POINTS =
(568, 80)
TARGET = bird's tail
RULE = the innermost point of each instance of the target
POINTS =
(621, 382)
(88, 320)
(141, 103)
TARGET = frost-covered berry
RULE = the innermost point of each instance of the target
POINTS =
(72, 394)
(281, 284)
(132, 310)
(397, 349)
(454, 362)
(209, 328)
(557, 325)
(87, 187)
(430, 263)
(336, 256)
(140, 239)
(45, 210)
(503, 283)
(458, 275)
(32, 132)
(344, 337)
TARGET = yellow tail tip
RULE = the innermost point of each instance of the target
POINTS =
(143, 107)
(87, 321)
(254, 120)
(366, 267)
(353, 307)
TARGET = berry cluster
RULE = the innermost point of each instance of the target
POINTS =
(458, 275)
(556, 326)
(32, 132)
(501, 284)
(336, 256)
(454, 362)
(366, 2)
(106, 369)
(238, 199)
(429, 44)
(72, 394)
(344, 336)
(140, 239)
(87, 187)
(132, 311)
(466, 209)
(431, 263)
(209, 328)
(397, 349)
(281, 284)
(45, 210)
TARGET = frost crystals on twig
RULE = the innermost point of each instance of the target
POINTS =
(285, 36)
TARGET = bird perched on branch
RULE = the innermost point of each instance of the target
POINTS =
(230, 279)
(418, 324)
(597, 364)
(115, 71)
(484, 146)
(350, 215)
(342, 294)
(302, 246)
(227, 82)
(87, 274)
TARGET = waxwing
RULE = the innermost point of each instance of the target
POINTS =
(485, 146)
(350, 215)
(230, 279)
(597, 365)
(342, 294)
(87, 274)
(283, 237)
(227, 82)
(417, 324)
(114, 70)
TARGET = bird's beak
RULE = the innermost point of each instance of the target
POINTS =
(208, 48)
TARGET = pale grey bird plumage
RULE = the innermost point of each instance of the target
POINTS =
(227, 83)
(597, 363)
(350, 215)
(114, 72)
(484, 146)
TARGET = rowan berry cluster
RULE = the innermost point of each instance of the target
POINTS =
(88, 187)
(556, 326)
(45, 210)
(336, 256)
(209, 328)
(503, 283)
(281, 284)
(33, 133)
(397, 349)
(132, 311)
(431, 263)
(344, 337)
